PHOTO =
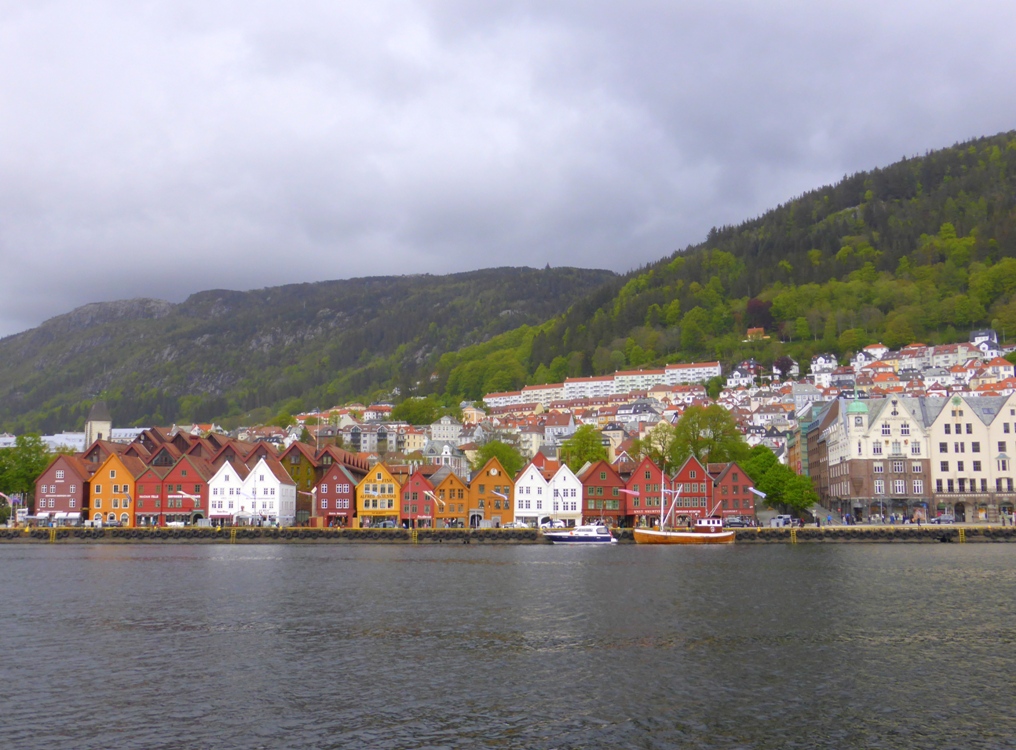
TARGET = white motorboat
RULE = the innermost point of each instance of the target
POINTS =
(589, 534)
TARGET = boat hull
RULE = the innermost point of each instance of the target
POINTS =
(654, 536)
(566, 539)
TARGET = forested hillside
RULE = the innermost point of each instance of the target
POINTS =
(224, 353)
(922, 250)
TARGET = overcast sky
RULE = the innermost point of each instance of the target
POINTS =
(155, 149)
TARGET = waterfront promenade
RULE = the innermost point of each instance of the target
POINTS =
(909, 533)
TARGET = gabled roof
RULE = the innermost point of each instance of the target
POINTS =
(303, 449)
(84, 469)
(596, 467)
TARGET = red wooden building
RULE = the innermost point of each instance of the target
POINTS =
(602, 498)
(335, 496)
(643, 491)
(61, 491)
(731, 490)
(417, 501)
(695, 487)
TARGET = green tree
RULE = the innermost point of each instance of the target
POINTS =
(801, 329)
(714, 385)
(658, 445)
(558, 369)
(417, 411)
(709, 433)
(508, 455)
(22, 464)
(790, 492)
(585, 445)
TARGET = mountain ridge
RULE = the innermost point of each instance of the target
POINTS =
(222, 351)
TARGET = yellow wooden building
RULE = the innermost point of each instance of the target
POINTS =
(377, 498)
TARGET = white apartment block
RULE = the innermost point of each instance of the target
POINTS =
(694, 372)
(544, 395)
(599, 386)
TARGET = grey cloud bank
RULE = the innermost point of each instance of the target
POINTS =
(160, 149)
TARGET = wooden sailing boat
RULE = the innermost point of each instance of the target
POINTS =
(707, 530)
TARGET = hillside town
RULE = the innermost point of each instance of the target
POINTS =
(922, 433)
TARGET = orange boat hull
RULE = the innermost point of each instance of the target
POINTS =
(653, 536)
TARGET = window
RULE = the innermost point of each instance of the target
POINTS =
(324, 504)
(984, 485)
(977, 465)
(73, 503)
(877, 468)
(899, 487)
(959, 447)
(692, 474)
(879, 487)
(944, 466)
(886, 429)
(1001, 446)
(970, 429)
(112, 473)
(876, 447)
(915, 448)
(918, 486)
(97, 489)
(1003, 464)
(959, 466)
(1005, 427)
(905, 428)
(897, 467)
(975, 447)
(943, 447)
(916, 468)
(938, 485)
(59, 474)
(74, 488)
(948, 429)
(950, 485)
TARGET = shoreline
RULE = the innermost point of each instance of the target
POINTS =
(907, 534)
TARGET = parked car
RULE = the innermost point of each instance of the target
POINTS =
(386, 525)
(515, 525)
(735, 522)
(553, 525)
(781, 521)
(943, 519)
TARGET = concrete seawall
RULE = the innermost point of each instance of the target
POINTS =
(246, 535)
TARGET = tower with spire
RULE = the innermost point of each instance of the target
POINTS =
(99, 425)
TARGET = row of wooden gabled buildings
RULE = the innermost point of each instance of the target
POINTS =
(166, 478)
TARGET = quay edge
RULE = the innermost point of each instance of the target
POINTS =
(248, 535)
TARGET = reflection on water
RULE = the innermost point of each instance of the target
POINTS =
(295, 646)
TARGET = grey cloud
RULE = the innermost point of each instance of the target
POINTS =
(163, 148)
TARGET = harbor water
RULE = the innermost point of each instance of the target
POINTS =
(378, 646)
